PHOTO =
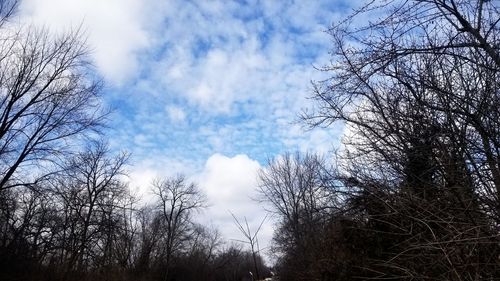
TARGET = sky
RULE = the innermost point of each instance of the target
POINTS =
(210, 89)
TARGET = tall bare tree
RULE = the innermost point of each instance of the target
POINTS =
(177, 200)
(48, 99)
(93, 196)
(298, 189)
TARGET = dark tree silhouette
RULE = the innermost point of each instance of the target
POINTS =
(48, 99)
(177, 199)
(417, 90)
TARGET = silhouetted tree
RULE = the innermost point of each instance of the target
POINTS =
(298, 189)
(177, 199)
(48, 99)
(417, 90)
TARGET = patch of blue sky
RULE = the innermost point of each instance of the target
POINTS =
(163, 115)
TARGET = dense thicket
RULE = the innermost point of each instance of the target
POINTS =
(416, 186)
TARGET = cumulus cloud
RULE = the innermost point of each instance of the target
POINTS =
(142, 171)
(115, 28)
(230, 184)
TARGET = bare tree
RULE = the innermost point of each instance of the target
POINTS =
(7, 9)
(417, 89)
(177, 199)
(91, 193)
(299, 191)
(251, 239)
(296, 186)
(49, 101)
(48, 98)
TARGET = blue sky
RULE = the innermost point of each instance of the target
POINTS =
(207, 88)
(224, 78)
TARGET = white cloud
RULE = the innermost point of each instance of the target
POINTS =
(231, 185)
(140, 179)
(215, 59)
(142, 172)
(115, 28)
(218, 79)
(176, 114)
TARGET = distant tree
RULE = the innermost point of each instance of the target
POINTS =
(176, 201)
(68, 224)
(295, 185)
(251, 238)
(297, 188)
(92, 197)
(198, 262)
(233, 263)
(149, 241)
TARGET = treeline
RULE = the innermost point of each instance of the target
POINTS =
(83, 224)
(66, 212)
(412, 194)
(414, 191)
